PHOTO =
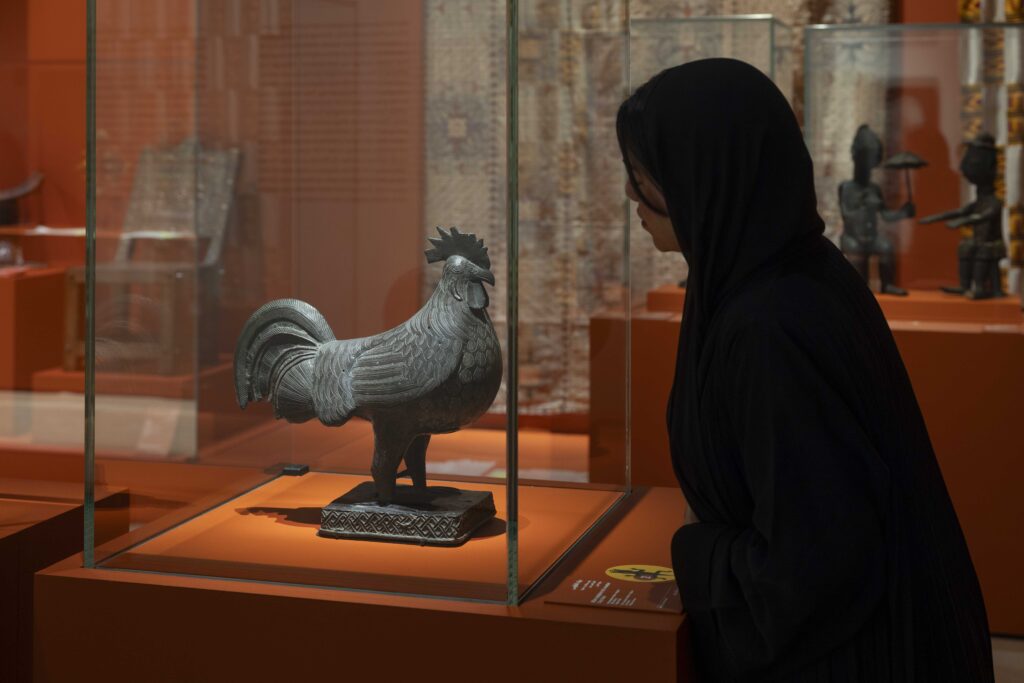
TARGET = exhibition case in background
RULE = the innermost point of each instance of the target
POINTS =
(930, 90)
(947, 94)
(243, 153)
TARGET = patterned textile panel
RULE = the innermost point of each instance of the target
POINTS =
(465, 114)
(573, 213)
(571, 202)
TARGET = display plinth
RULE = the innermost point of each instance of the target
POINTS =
(238, 630)
(28, 300)
(58, 247)
(41, 523)
(919, 305)
(940, 307)
(436, 515)
(666, 299)
(133, 384)
(270, 534)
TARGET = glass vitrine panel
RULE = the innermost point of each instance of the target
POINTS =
(353, 156)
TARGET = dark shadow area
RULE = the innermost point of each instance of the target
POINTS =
(495, 527)
(289, 516)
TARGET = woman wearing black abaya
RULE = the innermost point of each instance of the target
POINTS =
(821, 543)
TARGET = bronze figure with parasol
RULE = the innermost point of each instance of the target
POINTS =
(861, 204)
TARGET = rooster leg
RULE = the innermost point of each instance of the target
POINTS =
(416, 460)
(389, 445)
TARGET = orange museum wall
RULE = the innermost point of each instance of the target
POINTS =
(42, 120)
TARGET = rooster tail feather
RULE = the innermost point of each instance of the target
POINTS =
(275, 355)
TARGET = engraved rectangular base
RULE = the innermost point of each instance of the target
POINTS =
(436, 515)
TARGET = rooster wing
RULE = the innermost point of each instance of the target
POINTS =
(388, 370)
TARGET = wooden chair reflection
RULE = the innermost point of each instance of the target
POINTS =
(181, 199)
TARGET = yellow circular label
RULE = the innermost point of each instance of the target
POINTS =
(641, 573)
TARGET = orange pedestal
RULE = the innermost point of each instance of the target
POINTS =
(652, 356)
(219, 417)
(939, 307)
(31, 309)
(136, 384)
(236, 630)
(968, 381)
(666, 299)
(56, 247)
(40, 523)
(967, 376)
(929, 306)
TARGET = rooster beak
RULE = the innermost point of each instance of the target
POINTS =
(488, 277)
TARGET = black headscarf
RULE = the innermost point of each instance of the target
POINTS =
(724, 147)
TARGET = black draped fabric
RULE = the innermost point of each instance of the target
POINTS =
(827, 547)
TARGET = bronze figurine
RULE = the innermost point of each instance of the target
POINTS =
(861, 203)
(981, 250)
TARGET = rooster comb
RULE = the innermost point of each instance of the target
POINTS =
(455, 243)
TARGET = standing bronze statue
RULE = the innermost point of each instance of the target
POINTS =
(861, 203)
(981, 250)
(435, 373)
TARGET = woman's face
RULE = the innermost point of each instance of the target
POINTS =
(653, 213)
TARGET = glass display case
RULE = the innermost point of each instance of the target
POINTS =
(657, 43)
(916, 135)
(935, 99)
(449, 224)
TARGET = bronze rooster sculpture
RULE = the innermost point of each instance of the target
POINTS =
(433, 374)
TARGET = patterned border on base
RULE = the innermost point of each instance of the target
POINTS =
(438, 516)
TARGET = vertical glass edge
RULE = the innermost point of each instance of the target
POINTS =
(808, 141)
(199, 300)
(512, 308)
(628, 286)
(89, 445)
